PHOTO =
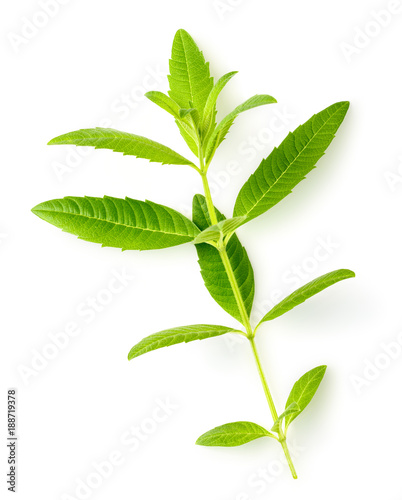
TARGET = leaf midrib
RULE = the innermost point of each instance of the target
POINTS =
(111, 222)
(187, 67)
(305, 389)
(230, 434)
(290, 164)
(133, 138)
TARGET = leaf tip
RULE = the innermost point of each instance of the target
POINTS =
(36, 209)
(60, 139)
(201, 441)
(182, 33)
(344, 106)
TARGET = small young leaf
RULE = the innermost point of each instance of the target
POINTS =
(164, 101)
(288, 164)
(228, 226)
(212, 233)
(189, 78)
(221, 229)
(303, 391)
(293, 408)
(177, 335)
(234, 434)
(208, 120)
(213, 270)
(306, 291)
(123, 142)
(223, 127)
(183, 112)
(127, 224)
(188, 135)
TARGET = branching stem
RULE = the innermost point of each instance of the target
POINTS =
(243, 313)
(274, 413)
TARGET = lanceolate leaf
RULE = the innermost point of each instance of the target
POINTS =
(293, 408)
(303, 391)
(288, 164)
(164, 101)
(234, 434)
(305, 292)
(213, 270)
(177, 335)
(123, 142)
(189, 79)
(221, 229)
(208, 121)
(223, 127)
(127, 224)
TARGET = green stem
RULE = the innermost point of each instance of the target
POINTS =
(289, 458)
(274, 413)
(207, 191)
(243, 312)
(264, 382)
(208, 199)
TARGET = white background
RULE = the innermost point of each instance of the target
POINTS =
(78, 408)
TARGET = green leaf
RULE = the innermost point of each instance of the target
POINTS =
(223, 228)
(303, 391)
(183, 112)
(189, 136)
(123, 142)
(127, 224)
(293, 408)
(233, 434)
(189, 79)
(164, 101)
(305, 292)
(178, 335)
(288, 164)
(208, 120)
(213, 270)
(223, 127)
